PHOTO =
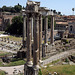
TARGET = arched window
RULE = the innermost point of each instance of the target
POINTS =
(71, 27)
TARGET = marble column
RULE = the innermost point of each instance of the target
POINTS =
(40, 37)
(24, 30)
(46, 29)
(52, 30)
(29, 62)
(36, 42)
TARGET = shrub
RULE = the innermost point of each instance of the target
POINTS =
(65, 40)
(40, 73)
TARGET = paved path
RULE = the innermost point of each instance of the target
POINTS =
(10, 70)
(2, 35)
(58, 56)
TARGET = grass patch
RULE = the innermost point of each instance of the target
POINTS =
(16, 63)
(13, 62)
(1, 32)
(2, 72)
(61, 69)
(4, 53)
(14, 38)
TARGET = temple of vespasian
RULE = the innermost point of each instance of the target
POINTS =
(33, 14)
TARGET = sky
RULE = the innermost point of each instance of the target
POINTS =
(64, 6)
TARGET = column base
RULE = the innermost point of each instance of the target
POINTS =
(28, 69)
(29, 63)
(36, 70)
(52, 44)
(46, 44)
(31, 70)
(32, 40)
(40, 61)
(36, 66)
(45, 49)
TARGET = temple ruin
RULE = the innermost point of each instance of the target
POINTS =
(33, 15)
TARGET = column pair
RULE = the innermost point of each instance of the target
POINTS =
(36, 39)
(46, 29)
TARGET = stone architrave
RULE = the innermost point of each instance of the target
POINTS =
(52, 30)
(29, 62)
(40, 37)
(36, 42)
(24, 30)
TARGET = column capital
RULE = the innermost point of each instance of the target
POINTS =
(29, 15)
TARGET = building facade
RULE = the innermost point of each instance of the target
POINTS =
(5, 19)
(72, 27)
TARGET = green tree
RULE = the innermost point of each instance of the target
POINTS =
(18, 7)
(4, 8)
(16, 27)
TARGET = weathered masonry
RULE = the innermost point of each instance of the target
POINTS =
(33, 15)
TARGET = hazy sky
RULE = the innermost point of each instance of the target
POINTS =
(64, 6)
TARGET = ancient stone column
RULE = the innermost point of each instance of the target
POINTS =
(24, 30)
(40, 37)
(52, 30)
(46, 29)
(32, 29)
(29, 39)
(36, 42)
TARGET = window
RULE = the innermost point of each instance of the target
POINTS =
(71, 27)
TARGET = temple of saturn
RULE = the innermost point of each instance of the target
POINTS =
(32, 16)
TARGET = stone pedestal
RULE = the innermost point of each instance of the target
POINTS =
(35, 71)
(52, 30)
(45, 49)
(30, 70)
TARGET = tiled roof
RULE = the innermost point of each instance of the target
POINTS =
(63, 23)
